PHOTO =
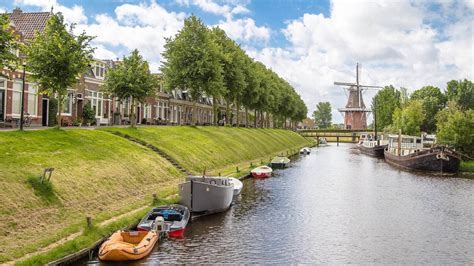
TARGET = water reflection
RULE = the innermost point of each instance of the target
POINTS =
(335, 206)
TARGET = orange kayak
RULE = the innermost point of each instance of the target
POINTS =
(123, 245)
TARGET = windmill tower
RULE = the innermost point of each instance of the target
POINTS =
(355, 111)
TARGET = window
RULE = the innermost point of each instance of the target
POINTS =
(125, 107)
(66, 109)
(16, 99)
(99, 70)
(3, 85)
(97, 102)
(147, 111)
(32, 100)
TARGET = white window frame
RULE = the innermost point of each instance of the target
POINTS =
(96, 97)
(35, 100)
(70, 101)
(16, 115)
(4, 88)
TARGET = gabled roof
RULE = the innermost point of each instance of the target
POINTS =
(29, 22)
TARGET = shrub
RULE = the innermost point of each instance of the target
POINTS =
(88, 113)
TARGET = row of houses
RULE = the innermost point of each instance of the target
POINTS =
(164, 108)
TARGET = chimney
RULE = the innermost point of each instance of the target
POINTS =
(17, 11)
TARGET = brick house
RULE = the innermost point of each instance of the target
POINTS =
(25, 24)
(173, 108)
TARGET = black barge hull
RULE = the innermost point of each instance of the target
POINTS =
(377, 151)
(433, 160)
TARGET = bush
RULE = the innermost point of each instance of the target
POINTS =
(455, 128)
(52, 112)
(88, 113)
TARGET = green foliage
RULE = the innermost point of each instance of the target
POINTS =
(456, 128)
(8, 44)
(88, 113)
(192, 61)
(433, 101)
(322, 115)
(467, 166)
(409, 118)
(55, 58)
(461, 92)
(206, 62)
(232, 60)
(131, 80)
(44, 190)
(383, 106)
(52, 111)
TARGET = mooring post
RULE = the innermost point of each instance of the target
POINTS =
(337, 139)
(89, 221)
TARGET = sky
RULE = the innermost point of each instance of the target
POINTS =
(310, 43)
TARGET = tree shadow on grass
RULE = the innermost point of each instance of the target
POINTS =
(43, 190)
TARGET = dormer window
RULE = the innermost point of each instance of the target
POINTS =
(99, 70)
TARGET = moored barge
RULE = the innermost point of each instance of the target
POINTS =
(409, 152)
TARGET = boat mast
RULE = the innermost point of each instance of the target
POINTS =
(375, 119)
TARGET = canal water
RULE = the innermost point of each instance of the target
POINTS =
(335, 206)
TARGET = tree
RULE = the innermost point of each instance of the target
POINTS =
(322, 115)
(131, 79)
(456, 128)
(192, 62)
(461, 92)
(8, 44)
(409, 118)
(383, 106)
(56, 58)
(433, 101)
(232, 62)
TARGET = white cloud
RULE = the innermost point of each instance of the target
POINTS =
(212, 6)
(74, 14)
(143, 27)
(244, 29)
(390, 38)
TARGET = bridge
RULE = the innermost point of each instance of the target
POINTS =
(335, 135)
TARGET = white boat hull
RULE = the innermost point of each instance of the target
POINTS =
(206, 195)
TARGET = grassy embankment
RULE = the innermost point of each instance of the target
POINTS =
(96, 174)
(218, 149)
(101, 175)
(467, 166)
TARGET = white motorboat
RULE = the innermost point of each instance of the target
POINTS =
(205, 194)
(305, 150)
(262, 172)
(238, 185)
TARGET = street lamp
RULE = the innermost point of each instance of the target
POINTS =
(23, 97)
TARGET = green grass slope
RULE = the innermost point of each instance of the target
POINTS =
(216, 148)
(96, 174)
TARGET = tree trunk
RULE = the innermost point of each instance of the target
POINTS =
(194, 113)
(214, 105)
(227, 112)
(60, 101)
(255, 119)
(133, 120)
(246, 117)
(237, 111)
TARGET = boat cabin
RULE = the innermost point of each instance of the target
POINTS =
(405, 144)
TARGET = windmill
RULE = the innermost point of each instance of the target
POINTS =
(355, 111)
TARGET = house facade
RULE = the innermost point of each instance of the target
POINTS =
(170, 108)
